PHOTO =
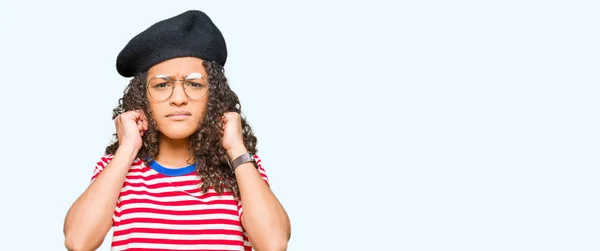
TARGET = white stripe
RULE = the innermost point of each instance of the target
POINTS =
(179, 217)
(196, 195)
(174, 198)
(179, 247)
(158, 190)
(264, 175)
(174, 179)
(228, 237)
(182, 208)
(179, 226)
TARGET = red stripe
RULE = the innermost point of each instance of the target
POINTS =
(159, 249)
(178, 202)
(179, 242)
(172, 193)
(137, 175)
(178, 231)
(106, 160)
(179, 212)
(180, 222)
(162, 184)
(138, 169)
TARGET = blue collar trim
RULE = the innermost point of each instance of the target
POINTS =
(172, 171)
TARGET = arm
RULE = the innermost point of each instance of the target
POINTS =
(263, 217)
(90, 217)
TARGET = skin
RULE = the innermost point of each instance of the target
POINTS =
(89, 218)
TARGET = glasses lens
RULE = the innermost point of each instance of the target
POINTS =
(195, 89)
(160, 88)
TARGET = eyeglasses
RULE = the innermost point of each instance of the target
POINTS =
(161, 87)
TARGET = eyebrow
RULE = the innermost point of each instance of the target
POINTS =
(194, 75)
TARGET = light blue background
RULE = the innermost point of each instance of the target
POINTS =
(414, 125)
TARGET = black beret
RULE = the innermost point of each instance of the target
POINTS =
(189, 34)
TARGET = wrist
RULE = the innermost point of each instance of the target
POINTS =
(128, 150)
(236, 151)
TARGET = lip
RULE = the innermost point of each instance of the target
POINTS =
(179, 115)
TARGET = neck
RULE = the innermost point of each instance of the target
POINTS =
(174, 153)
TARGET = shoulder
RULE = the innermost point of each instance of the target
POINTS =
(259, 163)
(257, 159)
(261, 169)
(103, 161)
(100, 165)
(106, 158)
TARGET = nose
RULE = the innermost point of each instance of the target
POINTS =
(178, 98)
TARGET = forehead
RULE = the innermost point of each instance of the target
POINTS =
(178, 67)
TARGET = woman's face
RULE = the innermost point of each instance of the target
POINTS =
(177, 93)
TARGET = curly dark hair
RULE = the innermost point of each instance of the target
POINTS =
(210, 157)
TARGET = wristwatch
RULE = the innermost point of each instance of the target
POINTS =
(244, 158)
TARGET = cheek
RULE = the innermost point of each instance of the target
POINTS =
(157, 112)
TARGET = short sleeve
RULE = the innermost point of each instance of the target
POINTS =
(263, 174)
(100, 165)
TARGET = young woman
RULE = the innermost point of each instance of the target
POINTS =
(183, 173)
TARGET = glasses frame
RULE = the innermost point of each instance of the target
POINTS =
(174, 82)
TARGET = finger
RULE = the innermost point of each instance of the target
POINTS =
(118, 120)
(142, 119)
(145, 123)
(137, 114)
(134, 114)
(142, 115)
(126, 116)
(140, 127)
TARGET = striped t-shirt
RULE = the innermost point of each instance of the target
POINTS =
(163, 209)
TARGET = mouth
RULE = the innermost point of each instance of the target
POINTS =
(178, 115)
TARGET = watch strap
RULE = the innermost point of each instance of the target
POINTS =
(244, 158)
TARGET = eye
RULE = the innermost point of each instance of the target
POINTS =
(161, 85)
(160, 82)
(195, 84)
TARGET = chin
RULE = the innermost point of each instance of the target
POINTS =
(178, 131)
(177, 135)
